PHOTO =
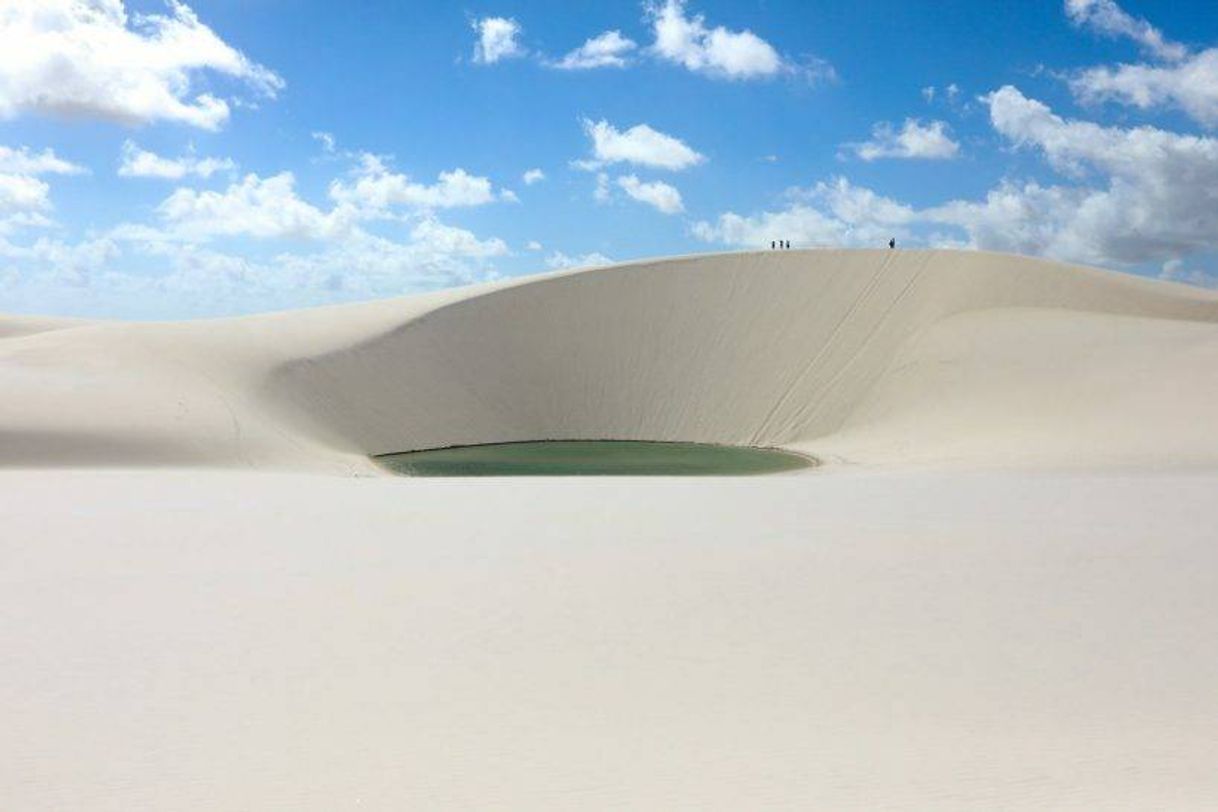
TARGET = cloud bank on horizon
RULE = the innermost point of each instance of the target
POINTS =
(160, 159)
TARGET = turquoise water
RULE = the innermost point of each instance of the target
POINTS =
(593, 458)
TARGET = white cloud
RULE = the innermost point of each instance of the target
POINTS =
(79, 58)
(1017, 218)
(1157, 196)
(913, 140)
(497, 40)
(1190, 85)
(254, 207)
(533, 176)
(607, 50)
(101, 277)
(270, 208)
(178, 266)
(376, 190)
(1133, 153)
(328, 144)
(834, 213)
(715, 51)
(601, 192)
(533, 245)
(140, 163)
(1189, 81)
(638, 145)
(659, 195)
(452, 241)
(857, 206)
(593, 260)
(1107, 18)
(23, 193)
(21, 161)
(24, 198)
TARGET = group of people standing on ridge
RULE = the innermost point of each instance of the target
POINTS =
(785, 244)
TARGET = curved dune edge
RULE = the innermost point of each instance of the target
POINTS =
(866, 357)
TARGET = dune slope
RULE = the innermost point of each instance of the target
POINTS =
(846, 354)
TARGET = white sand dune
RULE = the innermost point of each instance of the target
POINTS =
(1001, 591)
(865, 356)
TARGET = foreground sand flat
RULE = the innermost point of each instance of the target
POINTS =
(1000, 590)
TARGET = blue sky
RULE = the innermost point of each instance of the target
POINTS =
(231, 156)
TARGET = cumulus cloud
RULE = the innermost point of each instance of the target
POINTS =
(639, 145)
(140, 163)
(270, 208)
(914, 140)
(1157, 196)
(178, 265)
(559, 260)
(1107, 18)
(718, 52)
(659, 195)
(376, 189)
(25, 199)
(23, 161)
(102, 277)
(833, 213)
(497, 40)
(1019, 218)
(23, 193)
(533, 176)
(607, 50)
(449, 240)
(91, 58)
(253, 207)
(1190, 85)
(1177, 78)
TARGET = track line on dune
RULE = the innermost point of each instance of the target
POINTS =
(825, 347)
(812, 410)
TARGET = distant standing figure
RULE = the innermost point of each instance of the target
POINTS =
(788, 243)
(892, 243)
(772, 244)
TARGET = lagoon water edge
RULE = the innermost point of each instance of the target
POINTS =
(594, 458)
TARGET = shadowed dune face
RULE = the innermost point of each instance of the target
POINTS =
(752, 349)
(868, 356)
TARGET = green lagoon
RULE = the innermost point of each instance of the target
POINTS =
(594, 458)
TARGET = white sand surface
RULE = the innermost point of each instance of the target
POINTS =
(1000, 591)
